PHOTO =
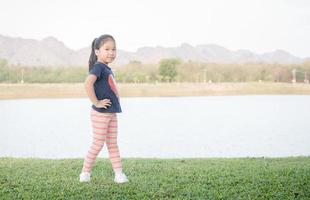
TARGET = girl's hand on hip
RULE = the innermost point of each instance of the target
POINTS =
(103, 103)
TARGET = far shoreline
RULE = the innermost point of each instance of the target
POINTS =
(76, 90)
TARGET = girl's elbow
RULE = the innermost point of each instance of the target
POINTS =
(88, 84)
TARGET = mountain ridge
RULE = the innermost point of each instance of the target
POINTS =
(52, 52)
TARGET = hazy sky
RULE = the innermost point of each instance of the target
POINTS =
(257, 25)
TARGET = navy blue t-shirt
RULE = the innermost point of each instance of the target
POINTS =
(105, 88)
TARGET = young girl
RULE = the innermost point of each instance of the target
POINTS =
(102, 91)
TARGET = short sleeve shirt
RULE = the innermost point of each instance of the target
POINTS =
(105, 88)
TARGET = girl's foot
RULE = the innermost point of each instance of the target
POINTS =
(120, 177)
(85, 177)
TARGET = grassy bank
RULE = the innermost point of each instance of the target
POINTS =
(74, 90)
(208, 178)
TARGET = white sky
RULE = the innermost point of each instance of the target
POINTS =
(257, 25)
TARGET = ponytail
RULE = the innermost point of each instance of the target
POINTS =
(96, 44)
(92, 57)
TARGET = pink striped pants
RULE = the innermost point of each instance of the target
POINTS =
(104, 130)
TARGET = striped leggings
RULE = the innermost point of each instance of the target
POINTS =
(104, 127)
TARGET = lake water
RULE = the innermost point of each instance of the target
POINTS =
(174, 127)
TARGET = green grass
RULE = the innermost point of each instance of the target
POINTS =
(207, 178)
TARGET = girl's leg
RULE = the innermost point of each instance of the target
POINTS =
(100, 123)
(112, 145)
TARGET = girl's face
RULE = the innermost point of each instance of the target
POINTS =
(107, 52)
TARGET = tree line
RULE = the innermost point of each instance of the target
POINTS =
(167, 70)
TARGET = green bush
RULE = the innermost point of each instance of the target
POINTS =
(167, 69)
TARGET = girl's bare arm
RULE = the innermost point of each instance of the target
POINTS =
(90, 91)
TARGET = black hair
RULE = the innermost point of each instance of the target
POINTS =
(96, 44)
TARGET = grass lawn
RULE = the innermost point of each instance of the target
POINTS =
(200, 178)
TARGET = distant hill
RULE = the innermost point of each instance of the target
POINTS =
(52, 52)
